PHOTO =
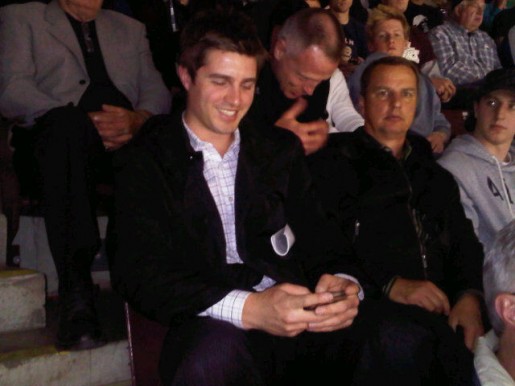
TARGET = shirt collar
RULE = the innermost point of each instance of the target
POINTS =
(198, 145)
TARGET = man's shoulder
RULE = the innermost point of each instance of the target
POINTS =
(349, 145)
(119, 20)
(24, 11)
(274, 140)
(446, 29)
(159, 138)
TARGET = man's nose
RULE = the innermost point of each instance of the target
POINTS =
(233, 95)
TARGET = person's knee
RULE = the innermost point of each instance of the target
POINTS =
(217, 353)
(62, 122)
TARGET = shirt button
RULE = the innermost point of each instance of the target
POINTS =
(82, 81)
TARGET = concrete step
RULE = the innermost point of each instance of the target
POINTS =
(22, 300)
(29, 358)
(35, 253)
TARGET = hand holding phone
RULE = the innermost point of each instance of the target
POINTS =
(337, 296)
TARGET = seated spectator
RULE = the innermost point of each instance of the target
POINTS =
(302, 89)
(355, 48)
(79, 82)
(400, 208)
(483, 162)
(495, 351)
(492, 9)
(220, 239)
(387, 32)
(465, 54)
(423, 16)
(502, 23)
(503, 33)
(420, 51)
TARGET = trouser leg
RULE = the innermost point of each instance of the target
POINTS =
(66, 145)
(205, 351)
(412, 346)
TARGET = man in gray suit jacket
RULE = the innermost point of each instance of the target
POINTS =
(78, 82)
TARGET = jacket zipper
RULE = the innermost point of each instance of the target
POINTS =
(416, 224)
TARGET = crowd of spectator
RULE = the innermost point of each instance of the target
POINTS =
(231, 130)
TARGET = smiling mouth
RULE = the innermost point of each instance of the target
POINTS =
(229, 113)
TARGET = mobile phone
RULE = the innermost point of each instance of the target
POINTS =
(337, 296)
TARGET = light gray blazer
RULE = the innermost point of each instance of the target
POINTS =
(42, 66)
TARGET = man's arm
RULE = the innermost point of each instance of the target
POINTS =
(20, 97)
(456, 64)
(156, 266)
(153, 96)
(342, 113)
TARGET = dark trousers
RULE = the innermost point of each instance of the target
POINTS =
(64, 158)
(387, 343)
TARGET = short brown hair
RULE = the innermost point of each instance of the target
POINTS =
(381, 13)
(223, 29)
(314, 27)
(386, 61)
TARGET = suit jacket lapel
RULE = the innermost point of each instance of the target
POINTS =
(109, 37)
(59, 27)
(185, 169)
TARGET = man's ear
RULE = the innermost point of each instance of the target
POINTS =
(185, 77)
(279, 48)
(505, 307)
(458, 10)
(361, 106)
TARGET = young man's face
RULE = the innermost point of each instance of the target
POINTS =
(340, 6)
(220, 95)
(495, 118)
(400, 5)
(390, 102)
(300, 73)
(389, 38)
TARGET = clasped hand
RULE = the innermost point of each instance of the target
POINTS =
(117, 125)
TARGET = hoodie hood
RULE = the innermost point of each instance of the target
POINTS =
(469, 145)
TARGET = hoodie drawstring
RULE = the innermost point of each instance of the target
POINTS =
(506, 196)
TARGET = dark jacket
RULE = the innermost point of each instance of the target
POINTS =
(402, 217)
(170, 261)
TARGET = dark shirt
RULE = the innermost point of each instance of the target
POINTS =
(356, 38)
(424, 16)
(101, 89)
(270, 103)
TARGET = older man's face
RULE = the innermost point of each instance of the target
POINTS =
(82, 10)
(469, 14)
(390, 102)
(299, 73)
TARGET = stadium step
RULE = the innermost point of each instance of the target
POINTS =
(28, 324)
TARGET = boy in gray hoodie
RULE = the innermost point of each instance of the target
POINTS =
(483, 162)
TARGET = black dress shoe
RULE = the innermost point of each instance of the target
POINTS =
(78, 324)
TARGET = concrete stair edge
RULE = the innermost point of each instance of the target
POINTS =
(22, 300)
(47, 366)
